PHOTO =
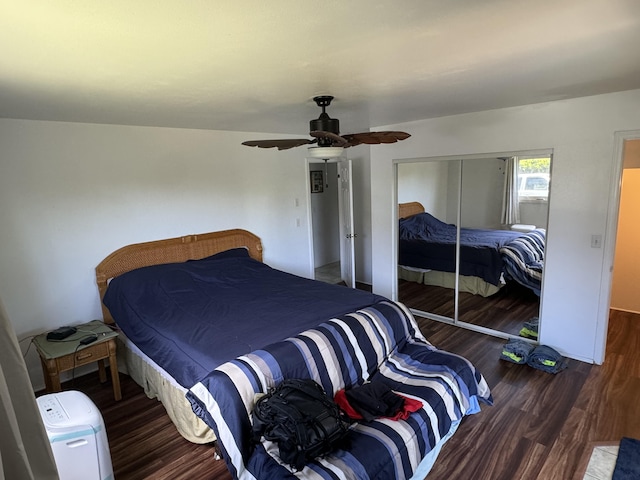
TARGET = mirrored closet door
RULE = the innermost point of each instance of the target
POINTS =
(471, 243)
(429, 195)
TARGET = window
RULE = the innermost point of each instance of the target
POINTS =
(533, 178)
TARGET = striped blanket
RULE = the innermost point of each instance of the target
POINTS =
(524, 259)
(382, 343)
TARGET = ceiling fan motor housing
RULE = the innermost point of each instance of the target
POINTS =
(324, 123)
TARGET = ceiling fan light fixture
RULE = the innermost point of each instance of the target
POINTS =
(325, 153)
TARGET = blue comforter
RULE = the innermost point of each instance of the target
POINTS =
(428, 243)
(381, 342)
(191, 317)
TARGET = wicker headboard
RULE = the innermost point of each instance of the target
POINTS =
(407, 209)
(172, 250)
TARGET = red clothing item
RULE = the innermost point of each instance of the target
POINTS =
(410, 405)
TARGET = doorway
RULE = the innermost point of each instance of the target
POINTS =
(627, 155)
(331, 221)
(626, 265)
(325, 222)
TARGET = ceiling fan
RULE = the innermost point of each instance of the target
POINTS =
(326, 134)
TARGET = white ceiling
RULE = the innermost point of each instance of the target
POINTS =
(252, 65)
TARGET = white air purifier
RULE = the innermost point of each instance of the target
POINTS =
(77, 436)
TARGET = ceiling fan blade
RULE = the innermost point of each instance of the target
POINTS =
(374, 138)
(336, 140)
(283, 144)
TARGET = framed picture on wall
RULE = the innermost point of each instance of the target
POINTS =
(316, 181)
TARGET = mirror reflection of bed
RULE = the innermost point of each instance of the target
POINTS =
(500, 265)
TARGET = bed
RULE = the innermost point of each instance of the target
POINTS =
(269, 325)
(427, 254)
(166, 371)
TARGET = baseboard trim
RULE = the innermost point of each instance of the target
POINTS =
(624, 310)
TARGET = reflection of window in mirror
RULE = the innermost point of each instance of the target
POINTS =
(533, 178)
(526, 197)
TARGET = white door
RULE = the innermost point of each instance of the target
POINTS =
(347, 234)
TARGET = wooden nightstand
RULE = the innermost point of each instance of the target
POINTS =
(59, 356)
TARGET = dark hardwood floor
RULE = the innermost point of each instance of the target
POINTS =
(505, 311)
(539, 427)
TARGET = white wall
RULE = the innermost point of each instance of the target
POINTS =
(72, 193)
(534, 213)
(482, 186)
(581, 134)
(427, 183)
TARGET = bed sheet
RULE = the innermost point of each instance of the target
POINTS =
(378, 343)
(191, 317)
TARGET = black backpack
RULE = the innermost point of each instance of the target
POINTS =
(300, 417)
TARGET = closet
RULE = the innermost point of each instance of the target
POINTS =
(465, 195)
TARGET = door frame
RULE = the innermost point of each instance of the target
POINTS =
(609, 244)
(311, 267)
